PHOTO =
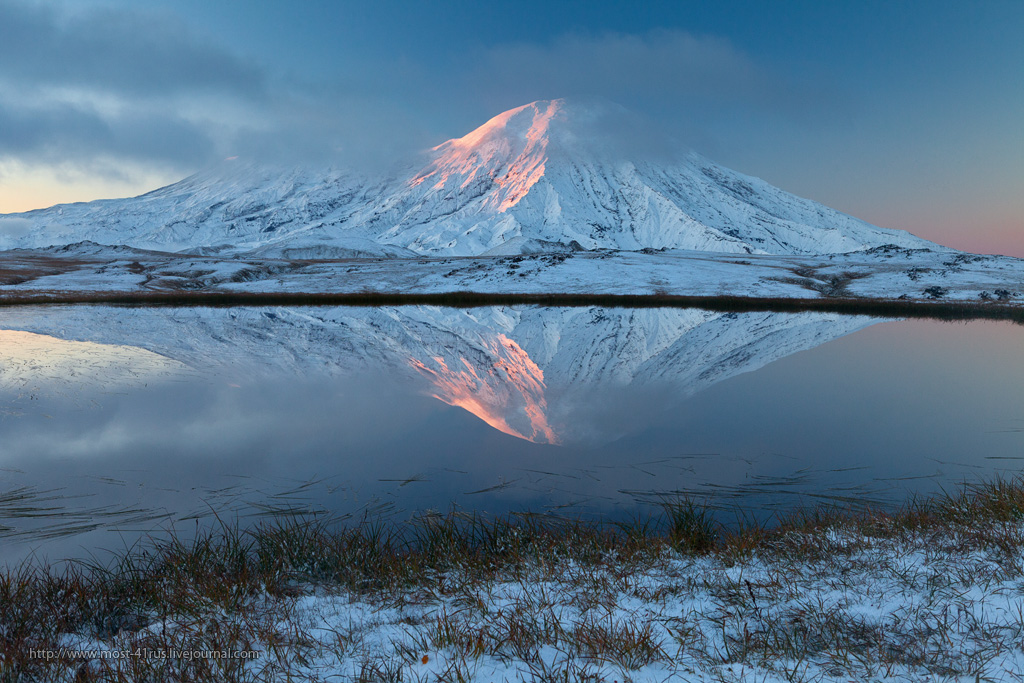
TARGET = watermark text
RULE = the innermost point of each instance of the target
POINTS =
(141, 653)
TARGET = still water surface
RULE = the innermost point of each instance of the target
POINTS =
(118, 422)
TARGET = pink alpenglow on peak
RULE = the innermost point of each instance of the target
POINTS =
(510, 150)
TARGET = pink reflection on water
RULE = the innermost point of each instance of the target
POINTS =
(508, 395)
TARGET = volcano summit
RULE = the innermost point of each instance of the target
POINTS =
(541, 177)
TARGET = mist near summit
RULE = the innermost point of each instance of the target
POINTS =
(85, 85)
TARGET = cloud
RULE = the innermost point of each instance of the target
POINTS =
(663, 63)
(683, 85)
(129, 52)
(85, 83)
(129, 84)
(679, 83)
(12, 227)
(142, 86)
(660, 72)
(63, 133)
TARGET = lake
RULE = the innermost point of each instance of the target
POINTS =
(120, 422)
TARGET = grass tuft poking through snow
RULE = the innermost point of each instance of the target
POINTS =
(933, 591)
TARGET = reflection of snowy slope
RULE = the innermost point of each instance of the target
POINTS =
(508, 391)
(35, 365)
(505, 365)
(542, 176)
(691, 348)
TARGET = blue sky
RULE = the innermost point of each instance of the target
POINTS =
(906, 114)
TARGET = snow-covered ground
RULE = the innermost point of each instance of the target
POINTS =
(885, 273)
(840, 606)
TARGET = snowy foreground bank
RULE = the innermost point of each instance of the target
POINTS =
(933, 593)
(912, 610)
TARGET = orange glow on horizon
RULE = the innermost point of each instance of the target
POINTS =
(27, 188)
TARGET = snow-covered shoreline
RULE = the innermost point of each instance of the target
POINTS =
(930, 593)
(884, 273)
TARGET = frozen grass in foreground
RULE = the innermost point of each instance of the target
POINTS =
(934, 591)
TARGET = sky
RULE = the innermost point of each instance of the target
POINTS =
(906, 114)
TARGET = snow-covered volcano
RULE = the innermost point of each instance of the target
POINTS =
(547, 175)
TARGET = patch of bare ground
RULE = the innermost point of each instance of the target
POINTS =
(22, 269)
(832, 285)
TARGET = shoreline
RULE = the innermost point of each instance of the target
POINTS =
(931, 591)
(878, 307)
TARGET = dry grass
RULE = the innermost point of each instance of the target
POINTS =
(21, 269)
(456, 596)
(886, 308)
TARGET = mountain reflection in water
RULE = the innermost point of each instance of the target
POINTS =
(517, 369)
(131, 419)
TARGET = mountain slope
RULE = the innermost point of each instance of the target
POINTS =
(537, 173)
(536, 177)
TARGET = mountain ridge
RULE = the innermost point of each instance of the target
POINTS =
(540, 174)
